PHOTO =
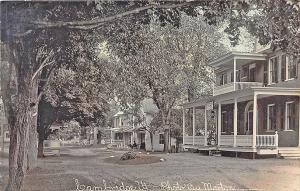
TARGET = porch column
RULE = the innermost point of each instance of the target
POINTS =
(111, 136)
(124, 141)
(183, 125)
(254, 119)
(219, 122)
(234, 73)
(194, 121)
(299, 122)
(205, 125)
(132, 134)
(235, 122)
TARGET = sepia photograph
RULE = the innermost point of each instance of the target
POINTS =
(150, 95)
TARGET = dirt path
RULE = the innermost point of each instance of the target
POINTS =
(87, 166)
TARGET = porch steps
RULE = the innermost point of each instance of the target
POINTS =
(289, 153)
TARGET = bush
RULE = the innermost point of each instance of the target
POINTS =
(128, 156)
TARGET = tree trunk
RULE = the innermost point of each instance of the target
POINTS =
(41, 148)
(21, 100)
(19, 139)
(166, 137)
(33, 136)
(151, 139)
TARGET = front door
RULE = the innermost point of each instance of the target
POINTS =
(252, 72)
(142, 141)
(250, 122)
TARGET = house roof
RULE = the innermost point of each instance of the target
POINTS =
(148, 106)
(119, 113)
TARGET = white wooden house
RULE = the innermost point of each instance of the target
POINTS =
(256, 104)
(125, 133)
(4, 131)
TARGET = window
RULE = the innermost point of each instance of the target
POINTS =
(265, 74)
(273, 70)
(290, 115)
(291, 67)
(252, 72)
(245, 73)
(271, 117)
(161, 139)
(119, 136)
(238, 76)
(223, 79)
(283, 67)
(6, 135)
(224, 120)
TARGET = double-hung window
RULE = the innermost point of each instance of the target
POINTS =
(271, 117)
(161, 139)
(290, 115)
(273, 70)
(223, 79)
(291, 67)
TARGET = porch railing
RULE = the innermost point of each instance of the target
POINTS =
(244, 140)
(226, 140)
(267, 140)
(199, 140)
(119, 143)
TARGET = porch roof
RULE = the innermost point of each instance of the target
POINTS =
(122, 129)
(242, 56)
(199, 103)
(243, 95)
(276, 91)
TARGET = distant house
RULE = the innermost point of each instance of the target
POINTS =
(4, 131)
(124, 132)
(256, 104)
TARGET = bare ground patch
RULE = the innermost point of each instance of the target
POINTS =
(140, 159)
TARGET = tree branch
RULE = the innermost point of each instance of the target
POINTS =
(96, 22)
(45, 63)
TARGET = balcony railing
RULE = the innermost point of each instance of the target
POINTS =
(226, 88)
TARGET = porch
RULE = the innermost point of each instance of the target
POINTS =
(246, 121)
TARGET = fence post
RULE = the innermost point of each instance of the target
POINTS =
(276, 139)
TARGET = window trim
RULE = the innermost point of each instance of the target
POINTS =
(268, 116)
(286, 124)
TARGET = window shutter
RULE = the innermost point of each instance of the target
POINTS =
(276, 69)
(296, 67)
(283, 67)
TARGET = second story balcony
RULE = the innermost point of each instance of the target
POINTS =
(238, 71)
